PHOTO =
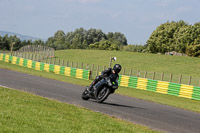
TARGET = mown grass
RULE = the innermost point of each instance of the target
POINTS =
(24, 112)
(139, 61)
(174, 101)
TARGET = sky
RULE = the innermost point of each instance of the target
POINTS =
(136, 19)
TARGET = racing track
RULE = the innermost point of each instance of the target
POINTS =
(154, 115)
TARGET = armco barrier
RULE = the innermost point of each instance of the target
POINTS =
(181, 90)
(68, 71)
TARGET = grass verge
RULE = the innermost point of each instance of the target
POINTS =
(24, 112)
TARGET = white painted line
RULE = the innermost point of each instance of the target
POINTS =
(5, 87)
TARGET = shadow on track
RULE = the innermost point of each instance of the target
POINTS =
(120, 105)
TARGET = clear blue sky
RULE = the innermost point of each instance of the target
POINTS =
(136, 19)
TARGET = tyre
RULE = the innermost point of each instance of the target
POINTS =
(103, 94)
(85, 95)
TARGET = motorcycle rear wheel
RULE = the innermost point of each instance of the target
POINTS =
(102, 95)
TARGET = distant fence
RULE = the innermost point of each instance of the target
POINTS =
(67, 71)
(34, 50)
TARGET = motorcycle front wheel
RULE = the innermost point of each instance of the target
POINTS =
(103, 94)
(85, 95)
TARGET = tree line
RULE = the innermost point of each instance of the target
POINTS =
(78, 39)
(6, 43)
(175, 36)
(171, 36)
(87, 39)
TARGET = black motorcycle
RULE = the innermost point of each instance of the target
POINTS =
(101, 90)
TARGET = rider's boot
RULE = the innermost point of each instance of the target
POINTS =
(89, 88)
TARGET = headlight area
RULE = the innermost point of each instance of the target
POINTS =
(115, 87)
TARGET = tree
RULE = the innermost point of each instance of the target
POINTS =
(104, 45)
(187, 36)
(182, 39)
(94, 35)
(117, 36)
(77, 39)
(16, 41)
(162, 39)
(193, 50)
(59, 35)
(6, 42)
(38, 42)
(50, 42)
(59, 39)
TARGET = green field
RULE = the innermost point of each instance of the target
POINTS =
(176, 65)
(24, 112)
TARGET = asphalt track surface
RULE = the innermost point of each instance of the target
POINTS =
(155, 116)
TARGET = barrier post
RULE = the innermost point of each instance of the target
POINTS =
(171, 75)
(90, 75)
(180, 79)
(189, 82)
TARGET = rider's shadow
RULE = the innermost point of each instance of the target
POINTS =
(120, 105)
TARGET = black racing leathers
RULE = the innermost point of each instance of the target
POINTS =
(105, 73)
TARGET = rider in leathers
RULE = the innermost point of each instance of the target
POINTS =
(113, 73)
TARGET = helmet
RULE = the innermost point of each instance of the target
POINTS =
(117, 68)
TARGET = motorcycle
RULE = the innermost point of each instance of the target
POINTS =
(101, 90)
